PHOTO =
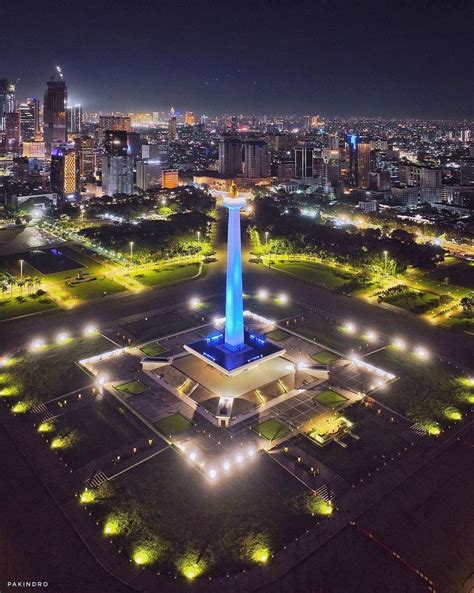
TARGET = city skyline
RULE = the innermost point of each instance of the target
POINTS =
(339, 59)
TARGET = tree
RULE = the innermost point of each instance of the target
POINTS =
(467, 303)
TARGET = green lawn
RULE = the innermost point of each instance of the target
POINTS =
(174, 424)
(132, 388)
(171, 505)
(153, 349)
(271, 429)
(99, 429)
(167, 275)
(325, 357)
(160, 325)
(425, 388)
(43, 375)
(411, 300)
(378, 437)
(93, 289)
(330, 398)
(315, 273)
(13, 308)
(277, 335)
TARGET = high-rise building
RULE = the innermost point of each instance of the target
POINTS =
(304, 162)
(33, 150)
(117, 174)
(54, 114)
(363, 164)
(257, 159)
(74, 119)
(230, 157)
(173, 128)
(85, 148)
(29, 119)
(21, 169)
(149, 174)
(358, 155)
(7, 100)
(169, 179)
(189, 119)
(12, 131)
(467, 172)
(64, 172)
(116, 142)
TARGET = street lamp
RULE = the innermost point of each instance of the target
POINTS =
(385, 253)
(21, 268)
(131, 253)
(266, 238)
(199, 236)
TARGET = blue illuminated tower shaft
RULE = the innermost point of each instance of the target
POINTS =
(234, 304)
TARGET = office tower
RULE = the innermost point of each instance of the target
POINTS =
(116, 142)
(172, 128)
(363, 164)
(155, 116)
(230, 157)
(315, 121)
(333, 142)
(467, 172)
(169, 179)
(33, 150)
(204, 120)
(64, 172)
(306, 121)
(12, 131)
(117, 164)
(430, 177)
(257, 159)
(304, 162)
(54, 114)
(189, 119)
(7, 100)
(28, 120)
(149, 174)
(74, 119)
(134, 144)
(85, 148)
(380, 181)
(21, 169)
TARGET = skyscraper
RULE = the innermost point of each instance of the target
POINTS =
(257, 159)
(54, 115)
(117, 164)
(230, 157)
(189, 119)
(12, 131)
(64, 172)
(7, 101)
(29, 119)
(149, 174)
(363, 164)
(172, 128)
(304, 162)
(74, 119)
(359, 157)
(84, 146)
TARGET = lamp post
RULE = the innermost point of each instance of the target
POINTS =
(266, 238)
(131, 253)
(385, 253)
(21, 268)
(199, 236)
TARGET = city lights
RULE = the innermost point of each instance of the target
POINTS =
(421, 353)
(283, 298)
(62, 337)
(194, 303)
(37, 344)
(350, 327)
(90, 330)
(399, 343)
(262, 294)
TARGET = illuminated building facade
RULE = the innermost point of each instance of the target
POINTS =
(169, 179)
(54, 114)
(65, 172)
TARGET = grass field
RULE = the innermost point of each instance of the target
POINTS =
(330, 398)
(174, 424)
(411, 300)
(271, 429)
(40, 376)
(13, 308)
(424, 389)
(377, 438)
(99, 429)
(132, 388)
(325, 357)
(277, 335)
(315, 273)
(167, 274)
(161, 325)
(172, 506)
(153, 349)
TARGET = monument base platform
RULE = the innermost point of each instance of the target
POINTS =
(255, 350)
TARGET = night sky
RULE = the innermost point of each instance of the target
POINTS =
(378, 58)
